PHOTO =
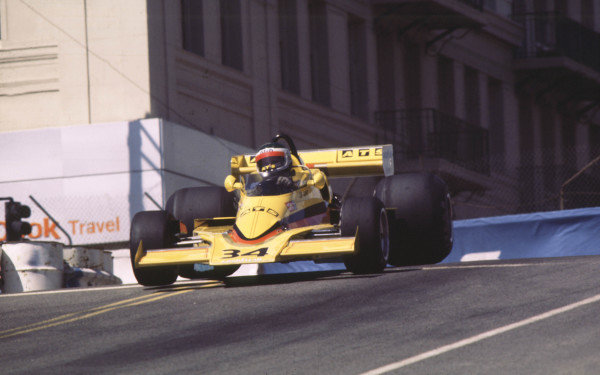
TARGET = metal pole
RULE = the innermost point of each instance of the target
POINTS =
(579, 173)
(51, 218)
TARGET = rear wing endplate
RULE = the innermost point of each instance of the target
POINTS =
(336, 162)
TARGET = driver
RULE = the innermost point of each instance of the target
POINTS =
(274, 161)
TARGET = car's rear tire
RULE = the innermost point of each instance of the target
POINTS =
(202, 202)
(421, 223)
(155, 231)
(372, 245)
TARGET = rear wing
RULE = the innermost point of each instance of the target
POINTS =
(335, 162)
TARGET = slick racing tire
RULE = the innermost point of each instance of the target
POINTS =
(372, 244)
(155, 231)
(421, 222)
(202, 202)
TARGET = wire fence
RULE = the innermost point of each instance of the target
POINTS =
(537, 183)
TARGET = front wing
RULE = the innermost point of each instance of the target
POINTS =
(216, 248)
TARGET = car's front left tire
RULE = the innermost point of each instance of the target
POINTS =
(155, 231)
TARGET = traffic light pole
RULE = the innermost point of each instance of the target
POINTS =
(13, 213)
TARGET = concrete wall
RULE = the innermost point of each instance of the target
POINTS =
(73, 62)
(92, 61)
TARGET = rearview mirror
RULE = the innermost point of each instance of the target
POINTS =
(231, 184)
(318, 180)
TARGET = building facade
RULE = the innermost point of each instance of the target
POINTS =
(499, 97)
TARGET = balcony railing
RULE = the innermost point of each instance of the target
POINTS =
(551, 35)
(430, 133)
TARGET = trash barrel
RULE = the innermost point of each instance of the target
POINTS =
(29, 266)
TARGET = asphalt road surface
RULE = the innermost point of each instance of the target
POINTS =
(515, 317)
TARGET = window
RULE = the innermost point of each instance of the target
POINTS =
(548, 130)
(540, 6)
(526, 141)
(594, 141)
(568, 146)
(496, 119)
(231, 34)
(412, 75)
(472, 102)
(288, 46)
(319, 52)
(587, 13)
(502, 7)
(518, 7)
(193, 26)
(560, 7)
(446, 94)
(357, 52)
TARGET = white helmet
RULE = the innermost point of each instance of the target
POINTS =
(273, 159)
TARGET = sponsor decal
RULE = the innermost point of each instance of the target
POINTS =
(234, 253)
(259, 209)
(46, 229)
(291, 206)
(347, 153)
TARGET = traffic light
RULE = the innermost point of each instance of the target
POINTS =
(15, 228)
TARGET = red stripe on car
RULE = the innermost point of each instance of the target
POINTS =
(236, 238)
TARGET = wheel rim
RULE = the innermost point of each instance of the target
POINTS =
(384, 235)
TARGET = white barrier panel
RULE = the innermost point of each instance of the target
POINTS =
(29, 266)
(94, 178)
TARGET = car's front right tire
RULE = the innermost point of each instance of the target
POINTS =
(366, 218)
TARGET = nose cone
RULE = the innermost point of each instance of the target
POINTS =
(259, 214)
(255, 224)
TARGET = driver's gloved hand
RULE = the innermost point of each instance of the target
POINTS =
(284, 181)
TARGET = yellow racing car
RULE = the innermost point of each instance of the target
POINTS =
(278, 206)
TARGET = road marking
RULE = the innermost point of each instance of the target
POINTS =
(485, 255)
(480, 337)
(95, 289)
(513, 265)
(84, 314)
(70, 290)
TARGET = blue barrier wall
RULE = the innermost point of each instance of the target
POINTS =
(541, 234)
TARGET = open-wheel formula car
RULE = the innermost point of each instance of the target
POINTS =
(278, 206)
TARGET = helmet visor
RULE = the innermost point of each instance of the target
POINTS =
(270, 160)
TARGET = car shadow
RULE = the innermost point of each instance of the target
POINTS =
(270, 279)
